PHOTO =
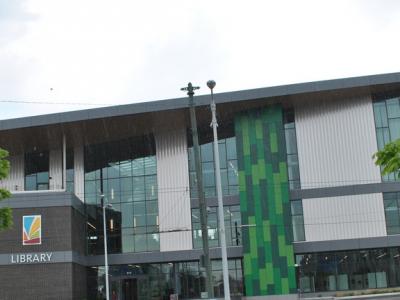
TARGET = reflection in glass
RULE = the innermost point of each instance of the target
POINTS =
(125, 173)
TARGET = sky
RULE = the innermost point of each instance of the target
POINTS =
(79, 54)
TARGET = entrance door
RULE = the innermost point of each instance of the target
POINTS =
(129, 289)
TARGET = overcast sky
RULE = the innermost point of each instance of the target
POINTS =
(116, 52)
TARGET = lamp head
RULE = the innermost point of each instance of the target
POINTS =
(211, 84)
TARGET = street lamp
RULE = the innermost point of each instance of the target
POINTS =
(199, 176)
(214, 124)
(103, 206)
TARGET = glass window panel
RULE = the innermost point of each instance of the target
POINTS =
(90, 189)
(233, 172)
(127, 214)
(297, 207)
(140, 242)
(153, 242)
(139, 212)
(70, 174)
(126, 184)
(138, 189)
(197, 241)
(233, 190)
(298, 228)
(43, 177)
(392, 215)
(393, 108)
(224, 182)
(196, 214)
(150, 165)
(125, 168)
(216, 265)
(30, 183)
(207, 152)
(380, 114)
(383, 137)
(70, 186)
(222, 155)
(393, 229)
(138, 167)
(394, 127)
(139, 220)
(152, 207)
(113, 170)
(151, 187)
(152, 213)
(291, 143)
(113, 190)
(390, 204)
(140, 230)
(213, 237)
(90, 175)
(208, 174)
(293, 167)
(128, 243)
(231, 148)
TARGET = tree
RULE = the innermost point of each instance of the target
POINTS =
(5, 212)
(389, 158)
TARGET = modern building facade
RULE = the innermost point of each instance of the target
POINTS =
(305, 207)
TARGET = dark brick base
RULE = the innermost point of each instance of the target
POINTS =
(65, 281)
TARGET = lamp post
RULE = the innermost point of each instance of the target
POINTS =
(202, 202)
(103, 206)
(214, 124)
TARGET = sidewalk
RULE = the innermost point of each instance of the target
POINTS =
(371, 296)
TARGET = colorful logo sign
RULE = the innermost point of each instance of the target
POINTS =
(32, 230)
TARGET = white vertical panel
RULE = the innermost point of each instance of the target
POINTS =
(79, 175)
(173, 196)
(15, 179)
(56, 168)
(345, 217)
(336, 139)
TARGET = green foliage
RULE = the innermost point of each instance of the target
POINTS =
(5, 212)
(389, 158)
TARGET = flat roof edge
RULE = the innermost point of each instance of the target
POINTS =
(177, 103)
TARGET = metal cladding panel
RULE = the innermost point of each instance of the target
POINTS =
(15, 179)
(79, 173)
(173, 191)
(336, 140)
(345, 217)
(56, 169)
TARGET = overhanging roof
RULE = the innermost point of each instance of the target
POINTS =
(176, 103)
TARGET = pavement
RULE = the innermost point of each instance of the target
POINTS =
(386, 296)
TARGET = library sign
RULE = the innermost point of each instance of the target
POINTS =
(31, 258)
(31, 235)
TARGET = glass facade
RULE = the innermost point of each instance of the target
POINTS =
(297, 220)
(387, 124)
(37, 171)
(125, 173)
(349, 270)
(391, 203)
(291, 149)
(159, 281)
(228, 165)
(232, 220)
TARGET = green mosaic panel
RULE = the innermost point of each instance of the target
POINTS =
(268, 262)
